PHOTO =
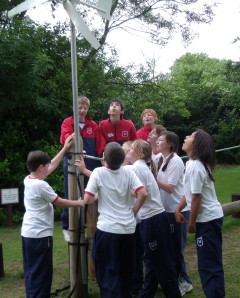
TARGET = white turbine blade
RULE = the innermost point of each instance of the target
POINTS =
(80, 25)
(24, 6)
(104, 7)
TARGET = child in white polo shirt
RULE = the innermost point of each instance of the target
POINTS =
(206, 214)
(114, 241)
(155, 229)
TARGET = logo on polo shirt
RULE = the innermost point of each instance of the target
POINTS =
(89, 130)
(110, 134)
(125, 134)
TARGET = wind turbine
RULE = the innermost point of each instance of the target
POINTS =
(103, 8)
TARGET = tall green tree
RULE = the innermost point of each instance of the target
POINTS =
(157, 20)
(210, 93)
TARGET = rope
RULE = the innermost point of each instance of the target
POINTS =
(218, 150)
(59, 291)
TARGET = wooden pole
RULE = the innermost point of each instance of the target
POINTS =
(231, 208)
(77, 244)
(91, 221)
(1, 261)
(9, 216)
(74, 217)
(236, 197)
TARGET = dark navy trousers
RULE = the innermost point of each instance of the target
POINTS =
(209, 251)
(159, 257)
(38, 266)
(114, 255)
(138, 276)
(179, 237)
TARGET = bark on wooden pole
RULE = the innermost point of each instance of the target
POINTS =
(236, 197)
(1, 261)
(91, 221)
(74, 217)
(81, 281)
(77, 244)
(231, 208)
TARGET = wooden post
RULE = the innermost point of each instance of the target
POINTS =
(1, 261)
(9, 216)
(74, 217)
(91, 221)
(236, 197)
(77, 244)
(231, 208)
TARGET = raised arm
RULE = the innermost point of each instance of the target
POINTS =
(56, 160)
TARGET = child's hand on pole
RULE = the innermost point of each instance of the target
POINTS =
(69, 141)
(81, 164)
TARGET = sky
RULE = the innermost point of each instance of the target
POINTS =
(214, 39)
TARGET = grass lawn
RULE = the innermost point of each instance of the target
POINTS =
(227, 183)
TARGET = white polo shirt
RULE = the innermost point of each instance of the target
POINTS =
(173, 175)
(39, 216)
(153, 204)
(114, 198)
(197, 181)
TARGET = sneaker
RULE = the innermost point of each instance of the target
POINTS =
(185, 287)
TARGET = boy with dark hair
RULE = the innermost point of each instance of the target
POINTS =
(114, 245)
(114, 156)
(37, 227)
(115, 128)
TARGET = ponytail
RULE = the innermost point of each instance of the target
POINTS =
(208, 171)
(153, 169)
(160, 162)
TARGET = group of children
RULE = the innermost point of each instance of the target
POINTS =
(146, 205)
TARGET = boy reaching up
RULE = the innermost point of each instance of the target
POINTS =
(114, 244)
(37, 227)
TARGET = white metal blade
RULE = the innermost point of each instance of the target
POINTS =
(80, 25)
(24, 6)
(104, 7)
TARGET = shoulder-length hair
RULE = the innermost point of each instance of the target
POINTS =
(203, 148)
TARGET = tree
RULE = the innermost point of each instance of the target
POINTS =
(35, 79)
(34, 87)
(157, 20)
(210, 93)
